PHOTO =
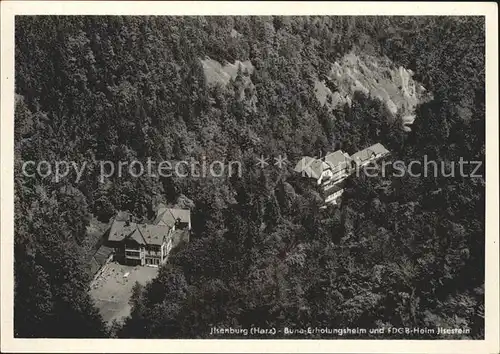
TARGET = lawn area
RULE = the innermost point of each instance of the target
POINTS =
(111, 291)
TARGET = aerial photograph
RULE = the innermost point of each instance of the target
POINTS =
(249, 177)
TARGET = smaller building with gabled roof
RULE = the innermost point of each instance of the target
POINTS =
(180, 218)
(99, 259)
(372, 153)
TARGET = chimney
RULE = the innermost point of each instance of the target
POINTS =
(177, 223)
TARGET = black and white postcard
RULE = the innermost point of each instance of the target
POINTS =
(312, 175)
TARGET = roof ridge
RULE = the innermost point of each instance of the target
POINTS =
(170, 211)
(159, 216)
(140, 232)
(130, 233)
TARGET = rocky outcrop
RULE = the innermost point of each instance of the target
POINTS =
(376, 77)
(216, 73)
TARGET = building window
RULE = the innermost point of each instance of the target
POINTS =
(132, 254)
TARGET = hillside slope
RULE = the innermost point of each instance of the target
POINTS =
(377, 77)
(401, 251)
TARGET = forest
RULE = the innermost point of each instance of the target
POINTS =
(398, 252)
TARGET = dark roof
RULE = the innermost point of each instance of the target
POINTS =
(168, 216)
(99, 258)
(141, 233)
(146, 233)
(154, 234)
(103, 254)
(119, 230)
(137, 236)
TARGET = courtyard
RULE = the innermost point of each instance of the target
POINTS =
(111, 291)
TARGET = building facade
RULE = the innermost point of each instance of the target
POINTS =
(331, 171)
(148, 244)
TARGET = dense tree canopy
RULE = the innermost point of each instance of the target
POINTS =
(398, 252)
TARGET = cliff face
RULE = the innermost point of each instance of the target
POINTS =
(215, 72)
(377, 77)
